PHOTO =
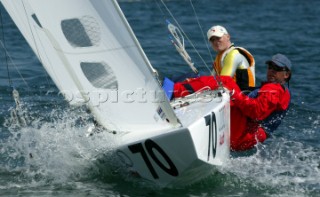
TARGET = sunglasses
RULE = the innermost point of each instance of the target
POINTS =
(272, 66)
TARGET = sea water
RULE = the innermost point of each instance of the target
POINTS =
(47, 152)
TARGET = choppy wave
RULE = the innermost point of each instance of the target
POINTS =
(51, 148)
(54, 151)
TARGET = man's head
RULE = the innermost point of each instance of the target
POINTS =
(219, 38)
(279, 69)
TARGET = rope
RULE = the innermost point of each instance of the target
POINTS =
(191, 43)
(217, 78)
(178, 42)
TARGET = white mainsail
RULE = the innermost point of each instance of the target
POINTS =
(90, 52)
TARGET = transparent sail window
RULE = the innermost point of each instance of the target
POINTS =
(100, 75)
(81, 32)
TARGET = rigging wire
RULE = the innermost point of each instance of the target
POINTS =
(17, 113)
(3, 44)
(163, 14)
(214, 73)
(217, 75)
(200, 27)
(191, 43)
(15, 66)
(8, 57)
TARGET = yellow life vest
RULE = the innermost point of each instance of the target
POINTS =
(225, 63)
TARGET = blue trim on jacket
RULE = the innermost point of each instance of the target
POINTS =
(271, 123)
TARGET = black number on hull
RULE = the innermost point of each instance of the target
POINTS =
(212, 123)
(150, 145)
(138, 148)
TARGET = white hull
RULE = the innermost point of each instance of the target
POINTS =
(184, 155)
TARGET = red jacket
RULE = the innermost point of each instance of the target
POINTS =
(272, 98)
(246, 113)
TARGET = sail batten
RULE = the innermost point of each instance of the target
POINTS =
(92, 55)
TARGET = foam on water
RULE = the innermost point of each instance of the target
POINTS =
(53, 148)
(284, 164)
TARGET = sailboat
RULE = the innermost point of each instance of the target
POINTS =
(91, 53)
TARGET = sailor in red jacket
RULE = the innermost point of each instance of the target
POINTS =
(257, 115)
